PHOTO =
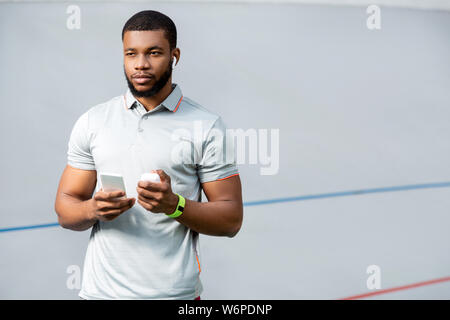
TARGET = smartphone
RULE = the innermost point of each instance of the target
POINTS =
(112, 182)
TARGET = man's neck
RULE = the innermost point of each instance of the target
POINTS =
(151, 103)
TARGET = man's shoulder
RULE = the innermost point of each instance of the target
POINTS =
(96, 115)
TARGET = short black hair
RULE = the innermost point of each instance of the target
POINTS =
(152, 20)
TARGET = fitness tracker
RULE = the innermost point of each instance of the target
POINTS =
(180, 207)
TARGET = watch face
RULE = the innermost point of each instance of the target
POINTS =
(180, 208)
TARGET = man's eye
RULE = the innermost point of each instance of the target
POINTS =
(129, 53)
(154, 52)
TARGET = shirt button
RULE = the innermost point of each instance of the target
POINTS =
(145, 117)
(140, 129)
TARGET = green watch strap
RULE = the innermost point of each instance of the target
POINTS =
(180, 207)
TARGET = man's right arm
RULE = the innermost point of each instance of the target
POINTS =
(77, 209)
(74, 203)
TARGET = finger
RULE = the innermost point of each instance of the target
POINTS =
(148, 201)
(100, 195)
(151, 186)
(106, 196)
(110, 217)
(113, 212)
(146, 205)
(116, 194)
(108, 205)
(151, 195)
(163, 175)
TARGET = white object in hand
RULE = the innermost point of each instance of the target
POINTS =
(112, 182)
(150, 176)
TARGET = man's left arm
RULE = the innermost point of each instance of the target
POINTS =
(222, 215)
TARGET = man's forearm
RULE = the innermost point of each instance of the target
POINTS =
(217, 218)
(74, 214)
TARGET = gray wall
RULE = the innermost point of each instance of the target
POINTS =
(357, 110)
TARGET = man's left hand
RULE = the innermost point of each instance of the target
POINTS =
(157, 197)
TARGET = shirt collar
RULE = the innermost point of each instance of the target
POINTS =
(172, 102)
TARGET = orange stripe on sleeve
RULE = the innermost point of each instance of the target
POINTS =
(228, 177)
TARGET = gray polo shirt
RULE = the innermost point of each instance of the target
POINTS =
(140, 254)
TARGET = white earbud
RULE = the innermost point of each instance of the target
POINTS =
(150, 176)
(174, 62)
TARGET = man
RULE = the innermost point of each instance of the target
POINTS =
(149, 249)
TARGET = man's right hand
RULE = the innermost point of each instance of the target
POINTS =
(106, 207)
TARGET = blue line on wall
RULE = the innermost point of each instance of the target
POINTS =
(289, 199)
(37, 226)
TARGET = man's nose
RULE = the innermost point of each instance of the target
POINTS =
(142, 62)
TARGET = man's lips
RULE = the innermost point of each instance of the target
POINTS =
(141, 79)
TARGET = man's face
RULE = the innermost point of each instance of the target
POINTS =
(147, 61)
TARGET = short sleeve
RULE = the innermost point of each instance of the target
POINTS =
(79, 150)
(218, 157)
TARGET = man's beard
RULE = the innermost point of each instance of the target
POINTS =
(159, 84)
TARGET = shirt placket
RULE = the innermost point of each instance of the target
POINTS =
(144, 114)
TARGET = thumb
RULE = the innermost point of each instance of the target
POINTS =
(162, 175)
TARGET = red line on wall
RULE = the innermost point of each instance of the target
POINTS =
(409, 286)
